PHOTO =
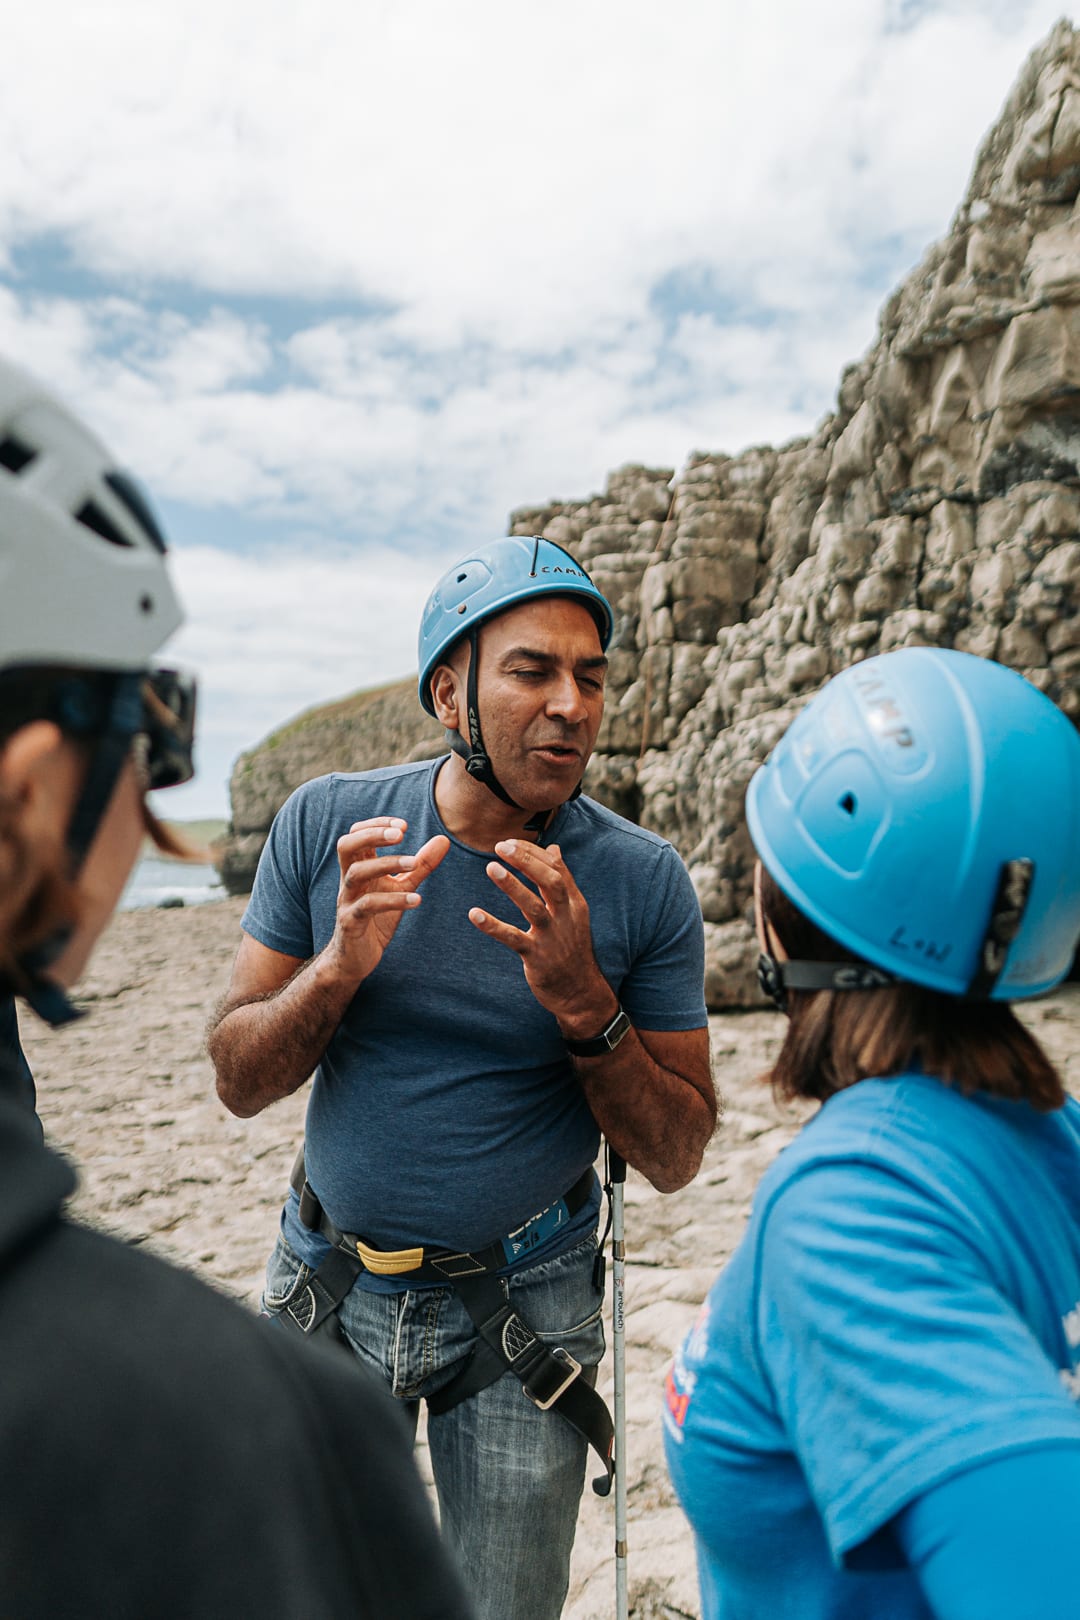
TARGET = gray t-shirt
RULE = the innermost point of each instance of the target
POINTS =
(445, 1111)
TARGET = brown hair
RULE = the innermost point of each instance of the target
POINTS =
(836, 1038)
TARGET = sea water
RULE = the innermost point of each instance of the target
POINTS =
(156, 881)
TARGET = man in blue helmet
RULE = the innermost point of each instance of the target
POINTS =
(485, 970)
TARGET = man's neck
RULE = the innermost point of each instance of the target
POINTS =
(473, 814)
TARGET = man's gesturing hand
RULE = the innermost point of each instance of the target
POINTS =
(556, 949)
(375, 891)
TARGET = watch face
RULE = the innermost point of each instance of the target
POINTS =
(615, 1031)
(606, 1041)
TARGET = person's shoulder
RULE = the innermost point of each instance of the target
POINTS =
(319, 787)
(856, 1125)
(911, 1130)
(313, 797)
(381, 790)
(143, 1361)
(585, 813)
(1069, 1117)
(409, 770)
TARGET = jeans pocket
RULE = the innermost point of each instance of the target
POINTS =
(584, 1340)
(285, 1273)
(560, 1302)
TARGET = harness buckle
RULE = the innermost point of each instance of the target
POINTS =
(544, 1401)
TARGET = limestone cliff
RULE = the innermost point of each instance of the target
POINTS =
(938, 504)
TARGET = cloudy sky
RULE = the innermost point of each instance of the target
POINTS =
(345, 281)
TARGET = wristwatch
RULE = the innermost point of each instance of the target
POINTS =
(607, 1040)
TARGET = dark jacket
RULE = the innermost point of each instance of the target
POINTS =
(163, 1453)
(17, 1078)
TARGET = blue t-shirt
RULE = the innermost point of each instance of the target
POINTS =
(445, 1111)
(905, 1304)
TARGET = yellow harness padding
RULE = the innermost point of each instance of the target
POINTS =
(389, 1262)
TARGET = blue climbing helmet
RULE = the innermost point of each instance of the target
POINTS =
(485, 583)
(924, 811)
(490, 580)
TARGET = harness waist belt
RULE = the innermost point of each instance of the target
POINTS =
(441, 1265)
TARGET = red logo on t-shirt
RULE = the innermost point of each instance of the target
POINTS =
(677, 1402)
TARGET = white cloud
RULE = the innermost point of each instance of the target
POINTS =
(272, 634)
(493, 168)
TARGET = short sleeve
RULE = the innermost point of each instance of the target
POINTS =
(999, 1541)
(665, 988)
(278, 914)
(894, 1359)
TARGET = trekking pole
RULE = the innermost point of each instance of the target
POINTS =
(617, 1173)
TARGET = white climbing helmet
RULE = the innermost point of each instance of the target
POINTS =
(83, 579)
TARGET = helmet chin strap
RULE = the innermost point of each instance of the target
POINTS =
(477, 761)
(777, 978)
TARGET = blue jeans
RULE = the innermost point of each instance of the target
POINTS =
(509, 1477)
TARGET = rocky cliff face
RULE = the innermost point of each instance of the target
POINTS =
(939, 504)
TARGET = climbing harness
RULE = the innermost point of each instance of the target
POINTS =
(552, 1379)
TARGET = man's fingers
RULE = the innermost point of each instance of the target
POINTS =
(529, 904)
(429, 855)
(487, 924)
(361, 872)
(364, 835)
(528, 857)
(544, 867)
(377, 901)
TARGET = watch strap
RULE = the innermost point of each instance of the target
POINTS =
(607, 1040)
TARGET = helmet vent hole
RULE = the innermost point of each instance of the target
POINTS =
(14, 455)
(91, 516)
(464, 608)
(849, 804)
(146, 604)
(462, 578)
(127, 490)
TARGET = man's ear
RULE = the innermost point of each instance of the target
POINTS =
(448, 696)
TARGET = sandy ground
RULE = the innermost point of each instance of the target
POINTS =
(128, 1095)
